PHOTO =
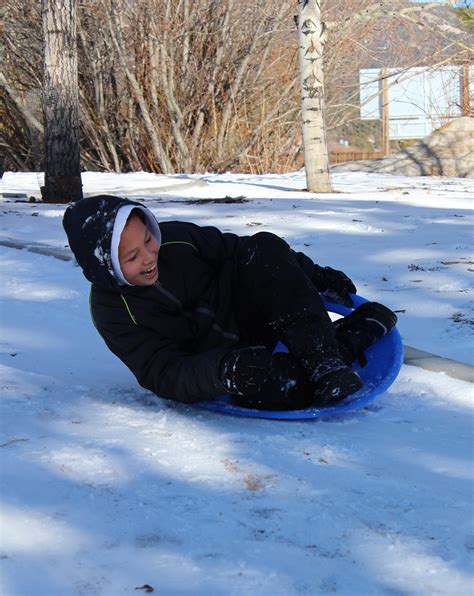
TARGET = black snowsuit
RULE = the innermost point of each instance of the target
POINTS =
(216, 291)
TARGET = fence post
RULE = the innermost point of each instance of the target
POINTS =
(385, 113)
(466, 99)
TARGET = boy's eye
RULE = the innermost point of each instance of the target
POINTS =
(147, 239)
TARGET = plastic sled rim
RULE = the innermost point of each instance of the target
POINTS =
(390, 344)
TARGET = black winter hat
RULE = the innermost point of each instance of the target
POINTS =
(89, 225)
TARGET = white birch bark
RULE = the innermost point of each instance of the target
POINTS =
(311, 46)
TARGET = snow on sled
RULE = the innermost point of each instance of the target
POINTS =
(384, 360)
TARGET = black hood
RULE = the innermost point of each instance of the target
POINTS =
(89, 224)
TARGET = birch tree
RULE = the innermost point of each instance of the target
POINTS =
(311, 45)
(211, 85)
(60, 103)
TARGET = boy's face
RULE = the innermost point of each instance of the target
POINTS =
(138, 253)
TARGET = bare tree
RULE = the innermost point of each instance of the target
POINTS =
(311, 43)
(211, 85)
(398, 23)
(60, 103)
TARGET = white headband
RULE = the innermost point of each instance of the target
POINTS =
(119, 224)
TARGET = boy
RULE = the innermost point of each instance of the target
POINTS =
(194, 312)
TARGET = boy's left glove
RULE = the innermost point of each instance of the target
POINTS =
(286, 388)
(245, 370)
(334, 284)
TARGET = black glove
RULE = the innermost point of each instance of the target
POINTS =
(286, 387)
(334, 284)
(245, 370)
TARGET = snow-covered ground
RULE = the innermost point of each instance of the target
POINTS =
(106, 488)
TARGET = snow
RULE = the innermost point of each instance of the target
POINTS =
(106, 488)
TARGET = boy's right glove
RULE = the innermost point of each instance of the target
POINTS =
(334, 284)
(245, 370)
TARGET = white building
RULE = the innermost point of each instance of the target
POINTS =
(419, 100)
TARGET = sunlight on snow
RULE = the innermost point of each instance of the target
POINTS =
(183, 448)
(15, 383)
(28, 338)
(53, 212)
(36, 291)
(441, 464)
(436, 389)
(83, 464)
(25, 530)
(39, 289)
(406, 564)
(406, 254)
(101, 472)
(340, 226)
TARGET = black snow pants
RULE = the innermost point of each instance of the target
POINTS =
(271, 291)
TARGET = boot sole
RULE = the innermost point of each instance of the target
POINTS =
(339, 385)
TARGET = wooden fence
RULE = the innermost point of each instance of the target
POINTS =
(342, 156)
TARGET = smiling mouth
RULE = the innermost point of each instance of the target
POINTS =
(149, 272)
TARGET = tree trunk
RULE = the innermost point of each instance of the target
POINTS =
(62, 177)
(311, 42)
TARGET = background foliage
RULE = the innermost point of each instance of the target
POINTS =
(185, 86)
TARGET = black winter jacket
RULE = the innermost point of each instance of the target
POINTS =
(171, 335)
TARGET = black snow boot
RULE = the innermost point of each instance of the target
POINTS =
(312, 342)
(332, 381)
(361, 329)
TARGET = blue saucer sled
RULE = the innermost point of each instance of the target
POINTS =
(384, 360)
